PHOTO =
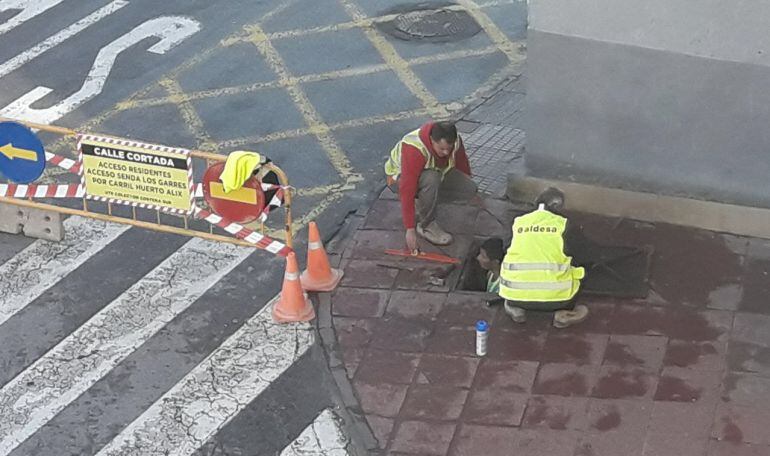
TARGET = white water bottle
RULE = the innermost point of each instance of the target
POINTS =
(482, 332)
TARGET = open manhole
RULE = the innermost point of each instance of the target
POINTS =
(616, 271)
(430, 21)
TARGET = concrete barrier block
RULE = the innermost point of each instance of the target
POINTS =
(35, 223)
(11, 219)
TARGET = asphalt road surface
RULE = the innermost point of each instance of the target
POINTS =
(126, 341)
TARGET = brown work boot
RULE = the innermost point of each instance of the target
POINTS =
(434, 234)
(564, 318)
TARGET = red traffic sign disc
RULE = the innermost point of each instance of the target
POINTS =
(242, 206)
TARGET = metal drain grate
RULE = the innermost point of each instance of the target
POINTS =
(431, 24)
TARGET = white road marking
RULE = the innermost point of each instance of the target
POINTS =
(171, 30)
(203, 402)
(324, 437)
(41, 391)
(29, 9)
(62, 35)
(43, 264)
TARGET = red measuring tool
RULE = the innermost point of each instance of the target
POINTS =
(438, 258)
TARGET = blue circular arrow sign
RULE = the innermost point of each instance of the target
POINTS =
(22, 158)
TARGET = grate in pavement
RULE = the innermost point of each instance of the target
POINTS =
(431, 21)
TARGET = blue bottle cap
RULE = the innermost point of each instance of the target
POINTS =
(482, 325)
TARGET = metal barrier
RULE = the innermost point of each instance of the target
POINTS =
(22, 195)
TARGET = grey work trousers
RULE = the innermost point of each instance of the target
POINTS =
(431, 190)
(551, 306)
(542, 306)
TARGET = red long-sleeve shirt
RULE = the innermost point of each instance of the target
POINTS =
(412, 165)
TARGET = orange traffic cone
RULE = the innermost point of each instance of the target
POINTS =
(293, 304)
(318, 276)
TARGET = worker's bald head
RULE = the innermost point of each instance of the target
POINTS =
(552, 198)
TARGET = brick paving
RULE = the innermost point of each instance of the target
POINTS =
(494, 136)
(685, 371)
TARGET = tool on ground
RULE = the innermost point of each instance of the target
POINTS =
(319, 275)
(494, 302)
(293, 304)
(438, 279)
(395, 266)
(435, 257)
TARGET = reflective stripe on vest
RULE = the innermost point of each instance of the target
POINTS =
(393, 164)
(535, 267)
(564, 285)
(493, 284)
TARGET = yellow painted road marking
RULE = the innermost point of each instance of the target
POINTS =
(299, 132)
(189, 114)
(245, 195)
(327, 76)
(317, 127)
(497, 78)
(363, 22)
(513, 50)
(14, 152)
(199, 95)
(509, 48)
(270, 137)
(397, 63)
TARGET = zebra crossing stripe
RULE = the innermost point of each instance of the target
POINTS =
(29, 10)
(64, 34)
(216, 390)
(324, 437)
(41, 391)
(43, 264)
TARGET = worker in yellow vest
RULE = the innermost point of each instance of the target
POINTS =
(429, 164)
(536, 273)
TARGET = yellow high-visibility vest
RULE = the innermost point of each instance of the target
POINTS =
(393, 164)
(535, 268)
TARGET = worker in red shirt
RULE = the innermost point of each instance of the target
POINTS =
(429, 165)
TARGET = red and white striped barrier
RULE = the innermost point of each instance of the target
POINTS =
(77, 191)
(62, 162)
(42, 191)
(241, 232)
(275, 202)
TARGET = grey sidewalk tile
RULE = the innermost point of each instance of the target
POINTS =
(748, 390)
(741, 424)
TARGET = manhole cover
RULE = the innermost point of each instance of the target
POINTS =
(431, 23)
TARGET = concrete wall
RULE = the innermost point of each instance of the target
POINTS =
(668, 96)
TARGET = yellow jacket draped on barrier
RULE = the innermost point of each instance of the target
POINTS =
(238, 168)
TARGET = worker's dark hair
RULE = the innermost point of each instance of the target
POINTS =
(444, 130)
(552, 198)
(494, 248)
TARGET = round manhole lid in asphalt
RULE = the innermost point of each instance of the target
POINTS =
(431, 23)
